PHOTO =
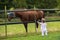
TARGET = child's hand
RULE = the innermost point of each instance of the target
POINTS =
(38, 22)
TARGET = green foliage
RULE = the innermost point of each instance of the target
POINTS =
(8, 3)
(30, 3)
(19, 3)
(42, 4)
(58, 4)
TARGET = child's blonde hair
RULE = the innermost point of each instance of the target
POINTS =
(43, 20)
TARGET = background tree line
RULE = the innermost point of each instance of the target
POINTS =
(29, 4)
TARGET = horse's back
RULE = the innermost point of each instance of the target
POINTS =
(30, 15)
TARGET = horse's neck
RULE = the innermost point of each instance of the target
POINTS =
(19, 14)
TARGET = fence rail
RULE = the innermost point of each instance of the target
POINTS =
(30, 10)
(10, 23)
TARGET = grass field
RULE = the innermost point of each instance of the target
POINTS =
(51, 36)
(17, 32)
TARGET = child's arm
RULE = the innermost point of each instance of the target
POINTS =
(38, 22)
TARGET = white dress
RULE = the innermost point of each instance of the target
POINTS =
(43, 26)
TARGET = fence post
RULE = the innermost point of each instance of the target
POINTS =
(35, 20)
(5, 21)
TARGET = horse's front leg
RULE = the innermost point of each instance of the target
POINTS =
(36, 26)
(25, 25)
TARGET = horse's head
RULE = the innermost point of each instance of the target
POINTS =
(10, 15)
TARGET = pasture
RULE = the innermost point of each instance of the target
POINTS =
(51, 36)
(17, 32)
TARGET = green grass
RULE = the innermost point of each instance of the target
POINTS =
(50, 36)
(19, 28)
(17, 32)
(53, 18)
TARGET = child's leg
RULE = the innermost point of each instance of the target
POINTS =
(42, 33)
(46, 32)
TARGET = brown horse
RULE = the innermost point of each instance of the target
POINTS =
(26, 16)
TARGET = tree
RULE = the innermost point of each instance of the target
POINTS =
(19, 3)
(58, 4)
(5, 2)
(42, 4)
(30, 3)
(13, 3)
